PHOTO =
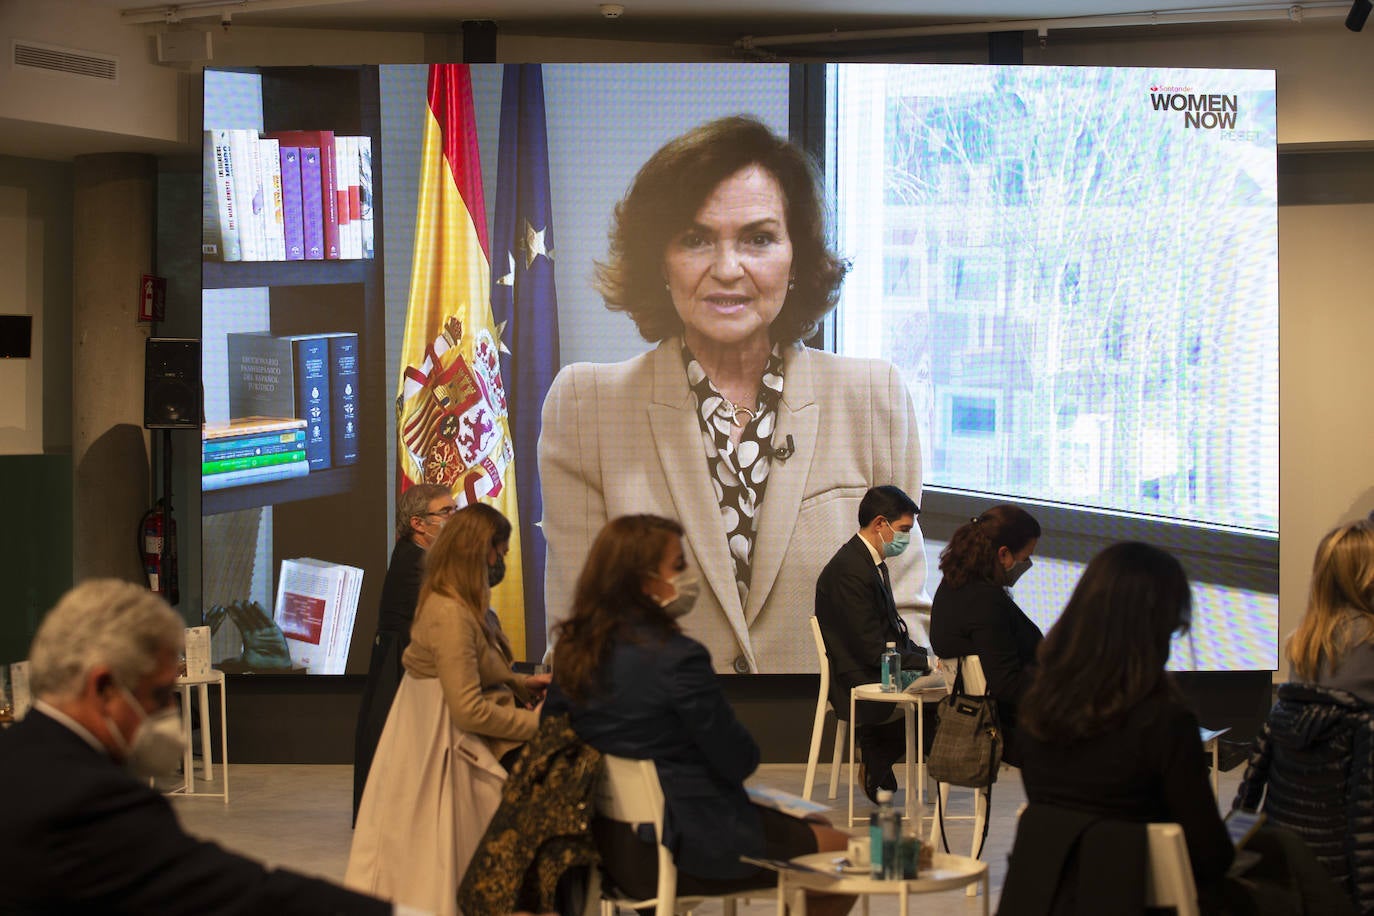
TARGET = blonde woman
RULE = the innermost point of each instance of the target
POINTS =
(459, 719)
(1334, 644)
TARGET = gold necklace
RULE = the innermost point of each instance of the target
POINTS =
(733, 412)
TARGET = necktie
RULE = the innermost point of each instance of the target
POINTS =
(892, 603)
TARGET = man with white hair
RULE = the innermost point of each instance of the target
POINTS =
(80, 830)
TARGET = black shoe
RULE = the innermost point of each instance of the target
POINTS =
(874, 782)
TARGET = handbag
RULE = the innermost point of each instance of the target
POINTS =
(967, 750)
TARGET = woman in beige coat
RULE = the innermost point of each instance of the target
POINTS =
(459, 719)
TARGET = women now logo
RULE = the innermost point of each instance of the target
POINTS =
(1211, 111)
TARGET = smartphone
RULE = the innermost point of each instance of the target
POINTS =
(1241, 824)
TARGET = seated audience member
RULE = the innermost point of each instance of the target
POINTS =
(458, 721)
(857, 612)
(420, 515)
(1313, 762)
(974, 614)
(1105, 733)
(80, 830)
(635, 686)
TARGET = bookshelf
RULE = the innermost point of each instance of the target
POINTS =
(339, 513)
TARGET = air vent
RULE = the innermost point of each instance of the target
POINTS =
(36, 56)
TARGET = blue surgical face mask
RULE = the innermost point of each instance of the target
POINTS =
(898, 543)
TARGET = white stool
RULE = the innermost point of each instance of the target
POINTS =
(185, 683)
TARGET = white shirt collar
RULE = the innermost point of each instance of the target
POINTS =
(62, 718)
(877, 557)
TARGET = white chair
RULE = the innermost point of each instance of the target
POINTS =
(822, 705)
(1169, 882)
(974, 684)
(629, 792)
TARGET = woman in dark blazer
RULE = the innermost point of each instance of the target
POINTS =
(635, 686)
(973, 613)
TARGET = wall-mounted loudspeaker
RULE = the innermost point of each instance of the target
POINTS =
(171, 383)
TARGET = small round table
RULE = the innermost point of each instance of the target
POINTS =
(947, 872)
(912, 703)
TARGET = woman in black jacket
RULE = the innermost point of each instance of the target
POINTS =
(974, 614)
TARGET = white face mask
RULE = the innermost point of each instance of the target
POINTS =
(157, 746)
(687, 585)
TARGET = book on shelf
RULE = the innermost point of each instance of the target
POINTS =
(21, 696)
(219, 235)
(242, 427)
(293, 228)
(243, 146)
(243, 446)
(317, 605)
(274, 230)
(284, 376)
(223, 480)
(345, 165)
(245, 462)
(365, 195)
(312, 204)
(343, 392)
(322, 140)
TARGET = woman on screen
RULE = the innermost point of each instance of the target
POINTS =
(459, 719)
(635, 686)
(974, 614)
(763, 447)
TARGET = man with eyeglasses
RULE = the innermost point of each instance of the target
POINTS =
(420, 515)
(80, 829)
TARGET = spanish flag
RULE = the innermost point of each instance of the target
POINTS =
(452, 419)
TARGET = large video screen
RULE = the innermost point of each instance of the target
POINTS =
(390, 288)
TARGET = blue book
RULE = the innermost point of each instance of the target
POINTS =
(343, 392)
(312, 204)
(284, 376)
(292, 214)
(221, 451)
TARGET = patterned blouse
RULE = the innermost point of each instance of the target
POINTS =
(739, 473)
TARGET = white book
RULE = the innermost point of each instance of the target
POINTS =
(313, 604)
(248, 190)
(219, 237)
(365, 194)
(350, 232)
(274, 222)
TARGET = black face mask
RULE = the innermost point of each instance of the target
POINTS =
(497, 571)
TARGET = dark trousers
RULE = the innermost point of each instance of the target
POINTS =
(882, 744)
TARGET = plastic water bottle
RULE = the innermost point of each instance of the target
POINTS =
(890, 826)
(875, 843)
(891, 669)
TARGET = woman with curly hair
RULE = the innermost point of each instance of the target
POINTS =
(761, 446)
(973, 612)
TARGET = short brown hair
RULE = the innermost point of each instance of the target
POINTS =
(609, 596)
(666, 196)
(413, 502)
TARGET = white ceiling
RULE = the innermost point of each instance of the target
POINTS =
(710, 21)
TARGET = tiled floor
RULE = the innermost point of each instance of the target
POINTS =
(298, 816)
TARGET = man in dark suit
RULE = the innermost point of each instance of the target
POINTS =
(858, 617)
(420, 514)
(79, 833)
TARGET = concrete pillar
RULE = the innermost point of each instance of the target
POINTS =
(112, 247)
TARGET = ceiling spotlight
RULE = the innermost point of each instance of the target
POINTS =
(615, 10)
(1359, 12)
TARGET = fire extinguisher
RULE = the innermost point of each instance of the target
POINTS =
(158, 523)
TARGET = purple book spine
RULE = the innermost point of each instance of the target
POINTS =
(312, 204)
(291, 203)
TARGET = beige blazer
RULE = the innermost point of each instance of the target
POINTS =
(449, 643)
(624, 437)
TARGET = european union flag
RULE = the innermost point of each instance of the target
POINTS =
(525, 305)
